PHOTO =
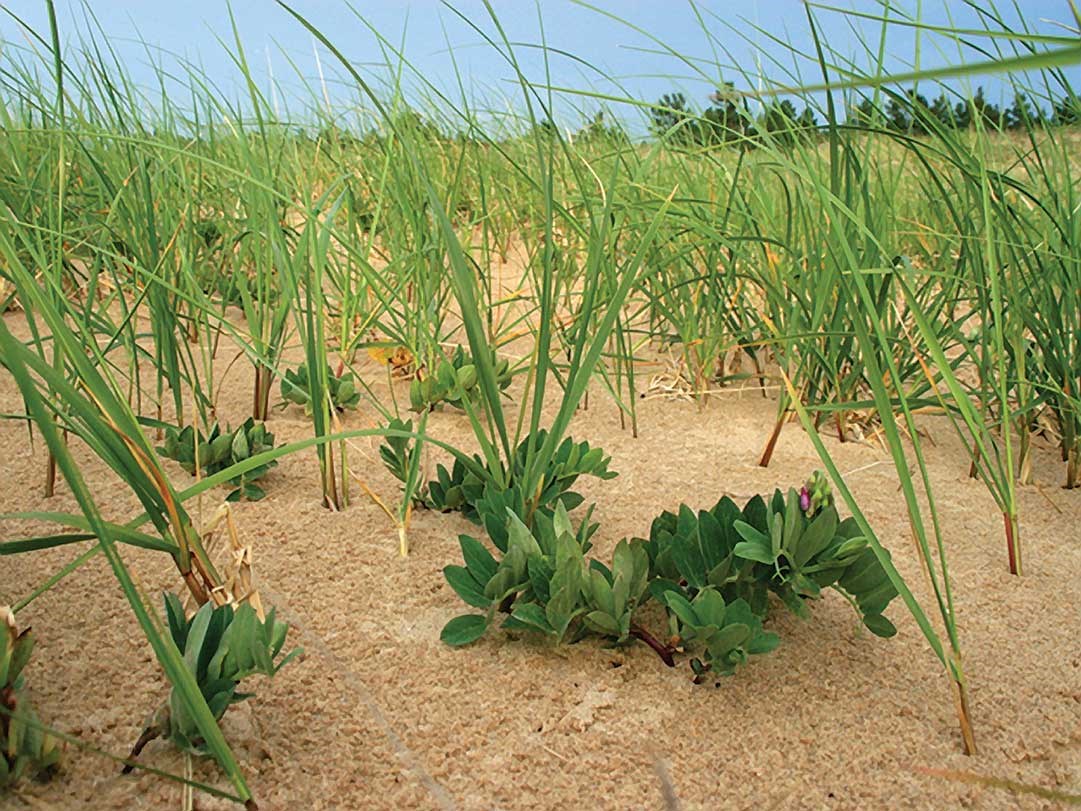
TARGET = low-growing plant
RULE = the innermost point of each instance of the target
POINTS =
(452, 380)
(538, 582)
(402, 456)
(222, 645)
(24, 747)
(728, 633)
(220, 449)
(485, 498)
(793, 546)
(711, 571)
(614, 594)
(342, 388)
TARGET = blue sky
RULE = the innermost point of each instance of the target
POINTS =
(720, 39)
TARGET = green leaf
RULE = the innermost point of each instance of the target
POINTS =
(602, 623)
(534, 616)
(727, 638)
(464, 629)
(816, 536)
(748, 550)
(681, 607)
(478, 559)
(466, 586)
(879, 625)
(763, 643)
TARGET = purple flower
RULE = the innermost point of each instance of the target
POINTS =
(804, 499)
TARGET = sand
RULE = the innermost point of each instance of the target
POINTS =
(381, 715)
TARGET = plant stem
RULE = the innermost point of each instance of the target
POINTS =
(662, 650)
(1013, 542)
(151, 733)
(767, 454)
(963, 716)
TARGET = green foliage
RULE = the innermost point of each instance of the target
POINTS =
(221, 646)
(398, 452)
(538, 582)
(484, 497)
(598, 131)
(727, 633)
(909, 112)
(613, 595)
(793, 546)
(712, 572)
(24, 747)
(725, 121)
(453, 380)
(343, 391)
(219, 450)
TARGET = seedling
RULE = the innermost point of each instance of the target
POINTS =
(219, 450)
(221, 646)
(24, 748)
(342, 388)
(402, 457)
(453, 380)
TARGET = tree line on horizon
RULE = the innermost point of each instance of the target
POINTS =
(729, 120)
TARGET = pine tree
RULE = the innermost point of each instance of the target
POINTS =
(897, 117)
(1022, 115)
(921, 113)
(962, 115)
(980, 109)
(725, 121)
(943, 112)
(807, 124)
(866, 113)
(779, 120)
(1067, 111)
(669, 117)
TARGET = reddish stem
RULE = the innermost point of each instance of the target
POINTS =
(767, 454)
(659, 648)
(1011, 545)
(151, 733)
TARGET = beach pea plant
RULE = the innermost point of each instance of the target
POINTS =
(484, 495)
(544, 584)
(453, 379)
(221, 449)
(222, 645)
(727, 633)
(24, 747)
(712, 572)
(342, 388)
(792, 546)
(461, 487)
